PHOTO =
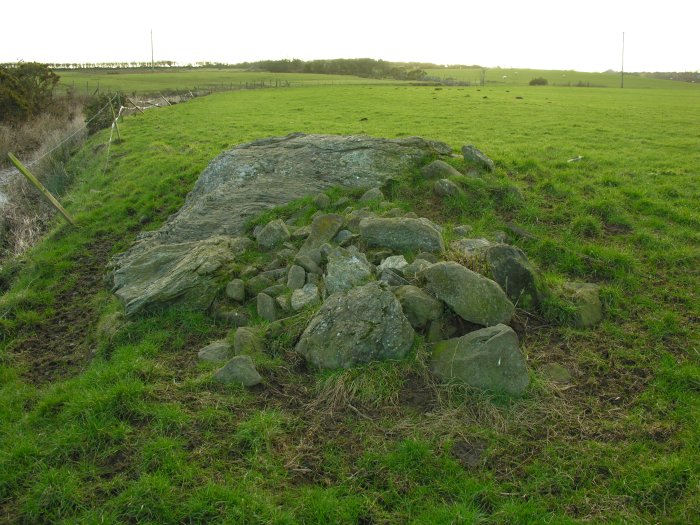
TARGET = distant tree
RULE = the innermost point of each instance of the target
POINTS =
(26, 89)
(539, 81)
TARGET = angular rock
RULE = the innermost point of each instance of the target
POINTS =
(184, 274)
(438, 169)
(346, 269)
(284, 303)
(306, 296)
(323, 229)
(247, 341)
(301, 233)
(273, 234)
(235, 290)
(343, 238)
(472, 296)
(394, 262)
(446, 188)
(470, 247)
(322, 201)
(415, 268)
(267, 307)
(488, 359)
(476, 158)
(586, 299)
(275, 290)
(239, 370)
(307, 264)
(216, 351)
(402, 234)
(296, 278)
(257, 284)
(375, 194)
(362, 325)
(355, 217)
(392, 277)
(419, 307)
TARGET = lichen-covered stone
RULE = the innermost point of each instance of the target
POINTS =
(247, 340)
(438, 169)
(273, 234)
(323, 228)
(239, 370)
(478, 159)
(267, 307)
(296, 278)
(446, 188)
(374, 194)
(419, 307)
(402, 234)
(306, 296)
(586, 299)
(345, 269)
(215, 352)
(235, 290)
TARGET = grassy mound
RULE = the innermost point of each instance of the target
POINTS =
(110, 422)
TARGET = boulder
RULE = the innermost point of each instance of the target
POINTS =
(362, 325)
(238, 185)
(472, 296)
(306, 296)
(275, 290)
(215, 352)
(235, 290)
(402, 234)
(247, 341)
(296, 278)
(374, 194)
(415, 268)
(323, 228)
(438, 169)
(257, 284)
(273, 234)
(343, 238)
(239, 370)
(446, 188)
(394, 262)
(470, 247)
(585, 298)
(322, 201)
(488, 359)
(346, 269)
(308, 264)
(419, 307)
(475, 157)
(267, 307)
(184, 274)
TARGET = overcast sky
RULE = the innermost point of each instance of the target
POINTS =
(574, 34)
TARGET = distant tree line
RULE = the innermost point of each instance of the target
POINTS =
(361, 67)
(681, 76)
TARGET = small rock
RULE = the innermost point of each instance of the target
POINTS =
(555, 373)
(267, 307)
(343, 201)
(416, 267)
(301, 233)
(586, 298)
(323, 229)
(377, 256)
(257, 284)
(231, 318)
(313, 278)
(488, 359)
(306, 296)
(411, 215)
(246, 340)
(375, 194)
(249, 271)
(216, 351)
(438, 169)
(273, 234)
(446, 188)
(307, 264)
(346, 269)
(463, 230)
(500, 236)
(322, 201)
(418, 307)
(296, 278)
(394, 212)
(395, 262)
(275, 290)
(343, 238)
(239, 370)
(474, 157)
(470, 247)
(430, 257)
(284, 303)
(355, 217)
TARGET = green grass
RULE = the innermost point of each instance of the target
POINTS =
(112, 421)
(183, 80)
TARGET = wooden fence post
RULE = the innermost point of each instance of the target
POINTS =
(38, 185)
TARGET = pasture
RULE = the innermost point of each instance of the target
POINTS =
(105, 424)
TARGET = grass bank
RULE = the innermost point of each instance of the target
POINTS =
(111, 422)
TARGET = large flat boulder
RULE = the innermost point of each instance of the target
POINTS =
(160, 268)
(402, 234)
(362, 325)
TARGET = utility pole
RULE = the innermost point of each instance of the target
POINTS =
(152, 63)
(622, 69)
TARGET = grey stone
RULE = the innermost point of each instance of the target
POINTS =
(247, 340)
(392, 277)
(377, 256)
(488, 359)
(249, 271)
(313, 278)
(415, 268)
(322, 201)
(302, 232)
(402, 234)
(500, 236)
(284, 302)
(232, 318)
(355, 217)
(275, 290)
(555, 373)
(267, 307)
(275, 275)
(238, 185)
(475, 157)
(586, 299)
(393, 213)
(215, 352)
(430, 257)
(472, 296)
(184, 274)
(273, 234)
(419, 307)
(235, 290)
(346, 269)
(306, 296)
(343, 238)
(362, 325)
(438, 169)
(307, 264)
(257, 284)
(239, 370)
(323, 228)
(470, 247)
(343, 201)
(411, 215)
(375, 194)
(463, 230)
(296, 278)
(446, 188)
(394, 262)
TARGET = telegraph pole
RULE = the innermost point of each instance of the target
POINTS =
(622, 69)
(152, 63)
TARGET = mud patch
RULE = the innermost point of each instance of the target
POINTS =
(469, 453)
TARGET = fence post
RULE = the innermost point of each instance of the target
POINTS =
(39, 186)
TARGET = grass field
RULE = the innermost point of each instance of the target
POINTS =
(105, 424)
(177, 80)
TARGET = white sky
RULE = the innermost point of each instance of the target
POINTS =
(583, 35)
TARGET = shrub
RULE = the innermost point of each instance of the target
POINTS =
(97, 113)
(539, 81)
(26, 89)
